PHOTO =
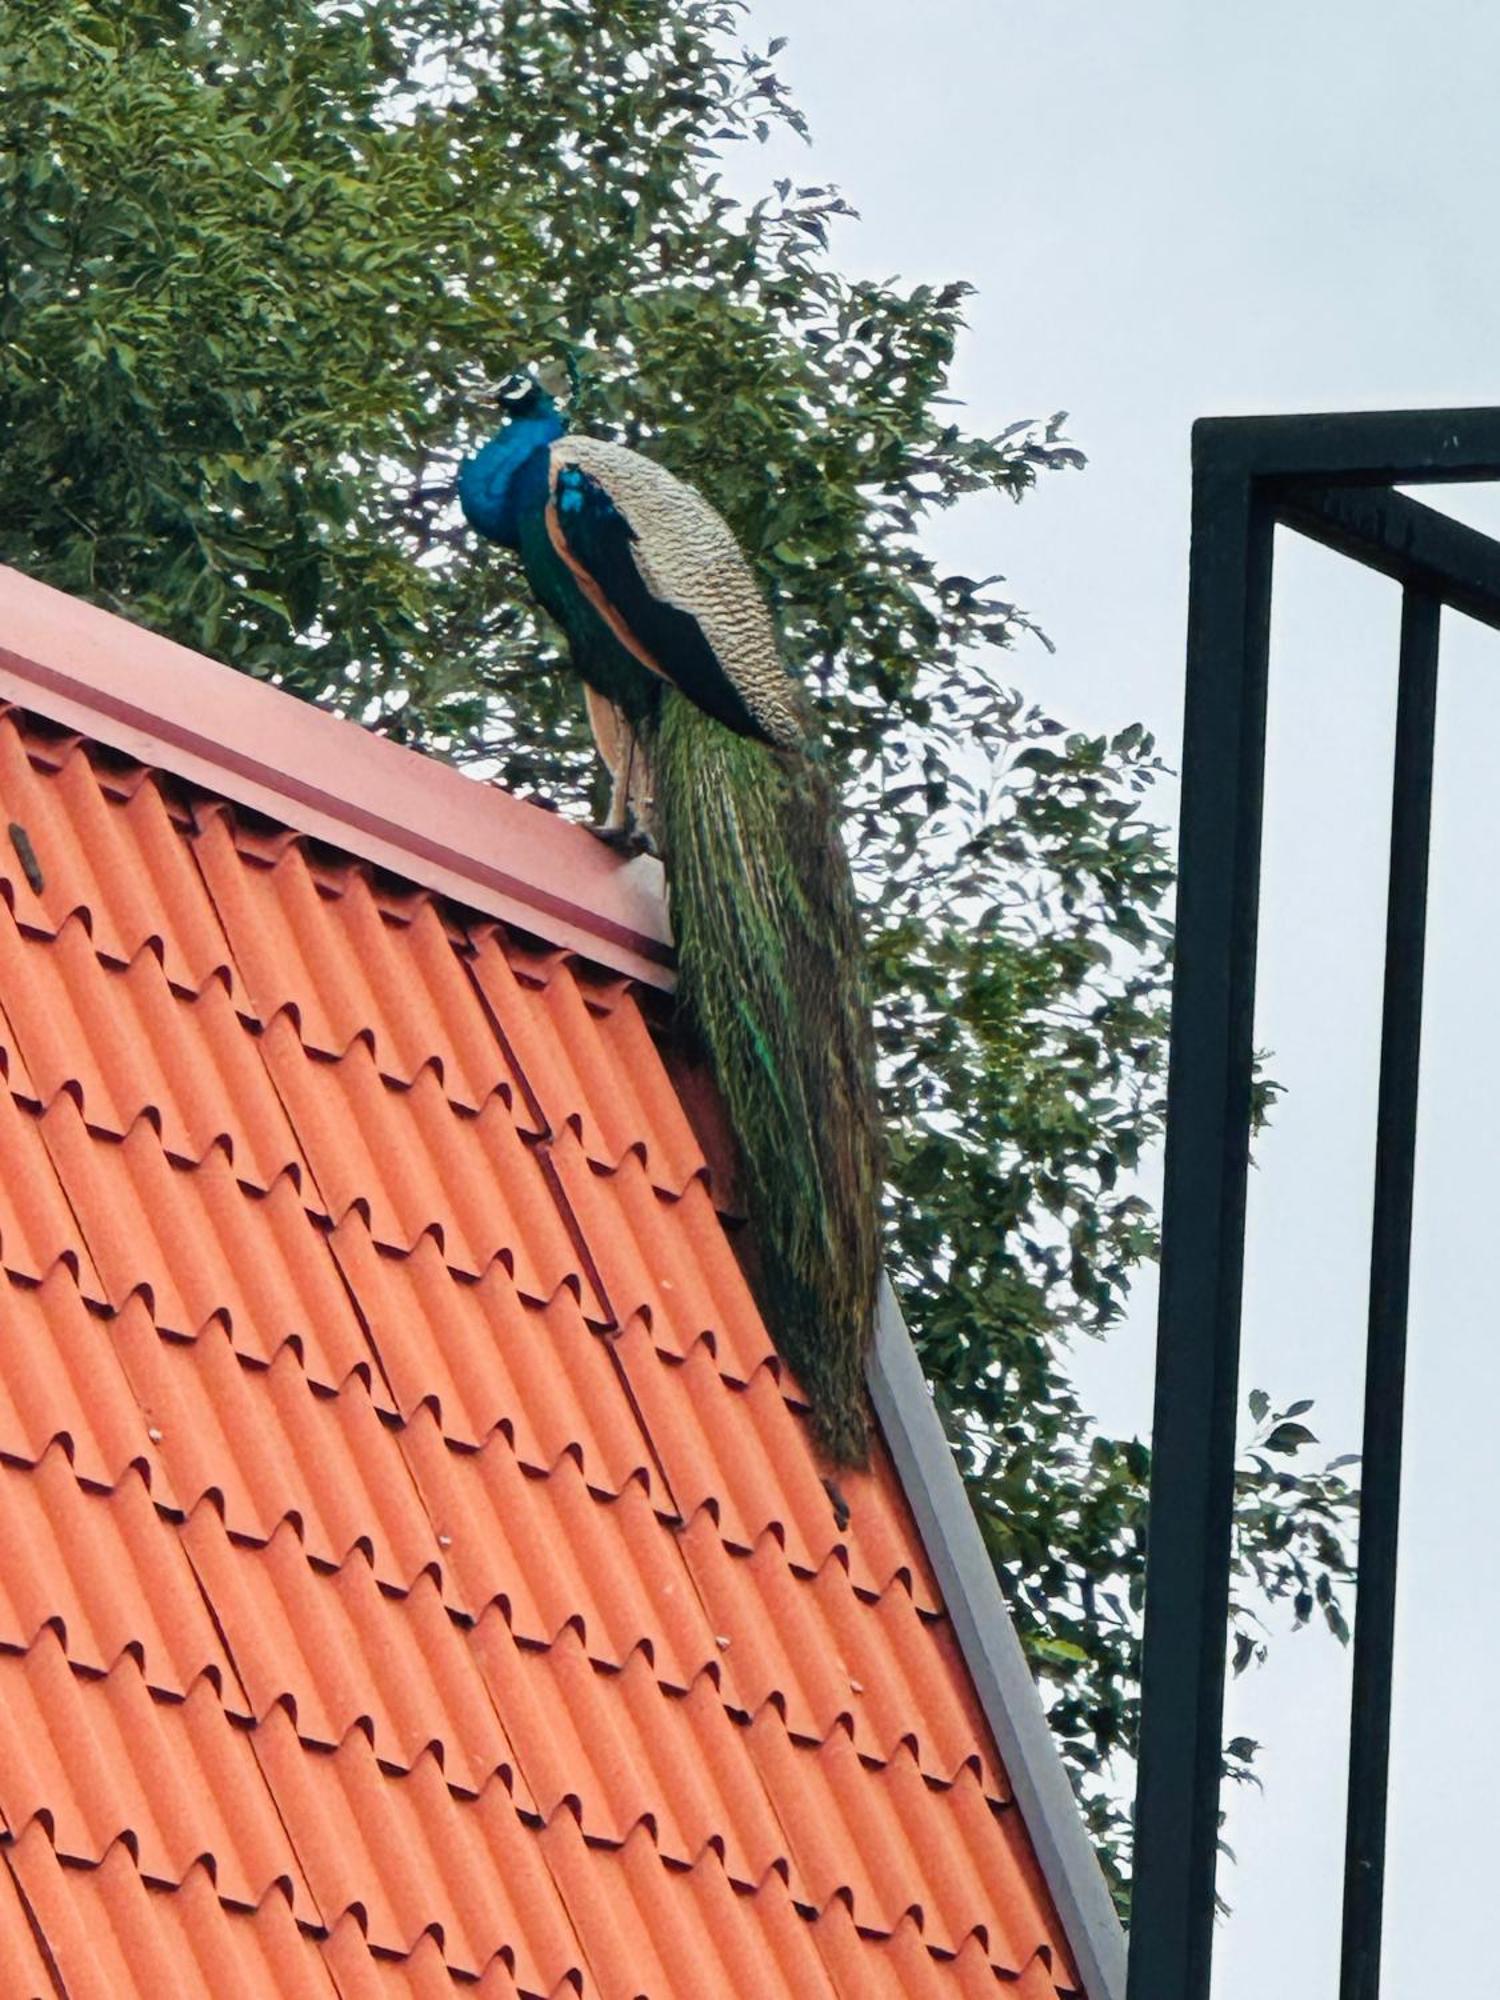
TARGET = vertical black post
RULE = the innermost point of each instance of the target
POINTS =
(1203, 1223)
(1390, 1262)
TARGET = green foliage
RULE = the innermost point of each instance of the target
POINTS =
(257, 262)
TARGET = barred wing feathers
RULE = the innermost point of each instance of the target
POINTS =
(664, 571)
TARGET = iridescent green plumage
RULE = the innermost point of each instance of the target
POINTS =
(768, 942)
(665, 623)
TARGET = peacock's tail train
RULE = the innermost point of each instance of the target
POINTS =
(769, 955)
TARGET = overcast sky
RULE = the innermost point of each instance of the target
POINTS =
(1171, 210)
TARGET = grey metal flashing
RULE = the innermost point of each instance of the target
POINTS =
(992, 1652)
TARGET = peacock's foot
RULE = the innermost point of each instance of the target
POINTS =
(841, 1509)
(628, 840)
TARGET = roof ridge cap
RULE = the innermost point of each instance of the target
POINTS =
(176, 710)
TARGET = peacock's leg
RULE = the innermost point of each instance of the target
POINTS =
(628, 822)
(613, 737)
(640, 801)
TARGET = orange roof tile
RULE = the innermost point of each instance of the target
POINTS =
(414, 1571)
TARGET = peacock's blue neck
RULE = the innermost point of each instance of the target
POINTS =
(491, 484)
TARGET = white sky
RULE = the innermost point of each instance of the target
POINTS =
(1172, 210)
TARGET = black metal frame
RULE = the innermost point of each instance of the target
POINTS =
(1330, 478)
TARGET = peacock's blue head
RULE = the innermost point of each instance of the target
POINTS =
(521, 394)
(491, 483)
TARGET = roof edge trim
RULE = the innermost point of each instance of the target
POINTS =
(177, 710)
(992, 1652)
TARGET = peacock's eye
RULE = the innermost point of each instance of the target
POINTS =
(515, 387)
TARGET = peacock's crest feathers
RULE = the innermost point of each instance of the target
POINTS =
(686, 556)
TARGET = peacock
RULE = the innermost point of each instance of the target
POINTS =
(710, 745)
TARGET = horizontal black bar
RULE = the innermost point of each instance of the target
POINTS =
(1390, 1267)
(1384, 447)
(1402, 538)
(1203, 1235)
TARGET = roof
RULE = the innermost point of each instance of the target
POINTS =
(415, 1574)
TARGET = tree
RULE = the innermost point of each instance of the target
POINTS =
(257, 265)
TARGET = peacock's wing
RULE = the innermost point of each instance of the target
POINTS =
(664, 572)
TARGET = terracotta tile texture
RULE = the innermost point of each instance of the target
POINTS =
(415, 1577)
(589, 1063)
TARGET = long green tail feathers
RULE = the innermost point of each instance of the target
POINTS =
(769, 957)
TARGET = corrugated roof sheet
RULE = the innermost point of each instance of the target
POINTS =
(415, 1576)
